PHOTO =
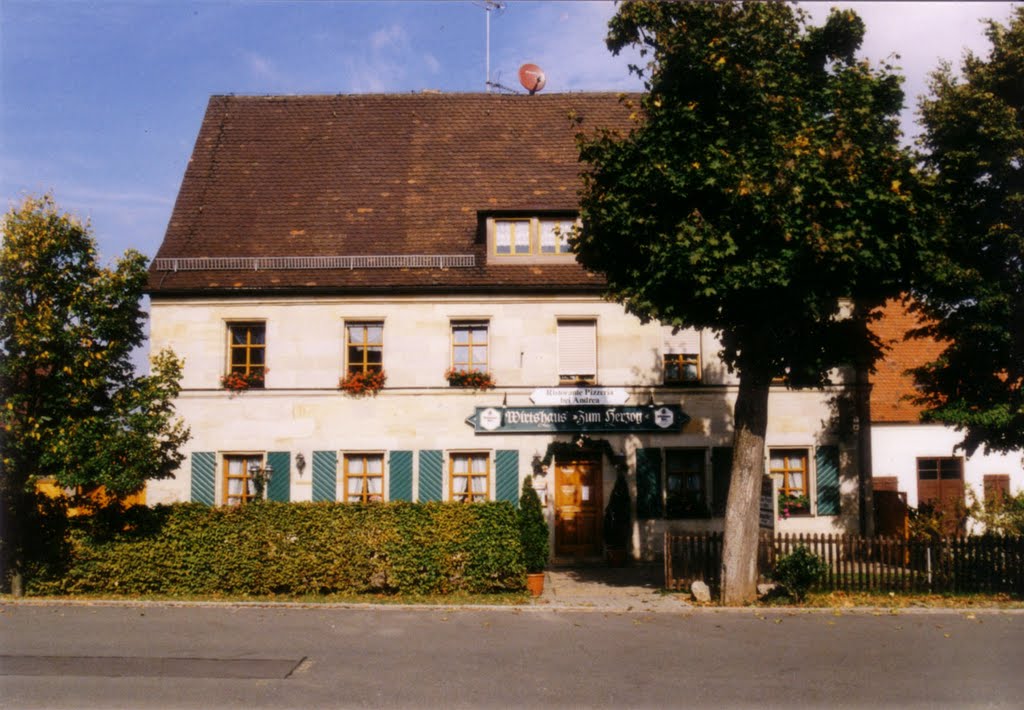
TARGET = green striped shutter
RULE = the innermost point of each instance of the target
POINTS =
(721, 474)
(826, 460)
(506, 475)
(325, 475)
(280, 485)
(203, 484)
(648, 483)
(400, 475)
(431, 476)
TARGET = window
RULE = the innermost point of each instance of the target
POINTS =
(681, 355)
(512, 236)
(364, 478)
(469, 347)
(940, 485)
(470, 476)
(682, 367)
(364, 346)
(577, 351)
(247, 351)
(554, 236)
(530, 236)
(685, 493)
(791, 466)
(239, 486)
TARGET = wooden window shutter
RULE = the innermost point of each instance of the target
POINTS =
(203, 483)
(997, 487)
(279, 487)
(826, 460)
(648, 484)
(325, 475)
(721, 474)
(506, 475)
(400, 475)
(577, 347)
(885, 483)
(431, 475)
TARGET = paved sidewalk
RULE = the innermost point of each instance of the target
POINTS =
(638, 588)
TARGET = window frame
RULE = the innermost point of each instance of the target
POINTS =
(534, 224)
(471, 325)
(365, 495)
(365, 366)
(247, 495)
(247, 367)
(684, 360)
(470, 496)
(786, 471)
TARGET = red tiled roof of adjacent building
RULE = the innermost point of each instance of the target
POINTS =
(891, 386)
(345, 175)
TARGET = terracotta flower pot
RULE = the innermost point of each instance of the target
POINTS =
(535, 583)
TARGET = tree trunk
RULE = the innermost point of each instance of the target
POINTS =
(739, 548)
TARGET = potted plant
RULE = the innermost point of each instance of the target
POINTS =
(617, 526)
(237, 381)
(533, 534)
(470, 379)
(363, 383)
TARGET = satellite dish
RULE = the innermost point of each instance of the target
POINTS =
(532, 77)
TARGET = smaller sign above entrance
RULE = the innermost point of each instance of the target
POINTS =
(579, 395)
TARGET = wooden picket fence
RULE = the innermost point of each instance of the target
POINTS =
(987, 564)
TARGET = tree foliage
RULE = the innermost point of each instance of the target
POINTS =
(974, 290)
(73, 408)
(761, 185)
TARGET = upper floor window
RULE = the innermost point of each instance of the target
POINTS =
(681, 356)
(364, 347)
(247, 351)
(364, 478)
(523, 237)
(469, 347)
(577, 351)
(469, 477)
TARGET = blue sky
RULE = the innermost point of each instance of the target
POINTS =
(100, 101)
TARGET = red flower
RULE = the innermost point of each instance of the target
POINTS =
(360, 384)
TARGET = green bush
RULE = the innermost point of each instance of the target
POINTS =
(292, 548)
(798, 571)
(533, 529)
(616, 515)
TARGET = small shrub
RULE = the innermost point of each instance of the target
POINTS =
(798, 571)
(533, 530)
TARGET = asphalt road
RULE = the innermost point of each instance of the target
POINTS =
(210, 656)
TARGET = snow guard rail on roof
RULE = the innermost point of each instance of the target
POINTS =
(271, 263)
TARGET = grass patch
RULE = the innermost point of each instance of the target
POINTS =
(851, 600)
(457, 598)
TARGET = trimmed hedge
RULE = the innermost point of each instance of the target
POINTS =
(291, 548)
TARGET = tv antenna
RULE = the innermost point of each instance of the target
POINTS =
(490, 6)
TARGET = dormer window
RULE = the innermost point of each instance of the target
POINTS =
(526, 238)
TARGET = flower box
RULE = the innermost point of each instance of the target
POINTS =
(790, 505)
(362, 384)
(471, 379)
(242, 381)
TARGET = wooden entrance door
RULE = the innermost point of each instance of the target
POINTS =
(578, 507)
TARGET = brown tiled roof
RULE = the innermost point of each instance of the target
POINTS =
(890, 383)
(372, 175)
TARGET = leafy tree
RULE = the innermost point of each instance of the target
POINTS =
(533, 530)
(73, 407)
(974, 291)
(761, 185)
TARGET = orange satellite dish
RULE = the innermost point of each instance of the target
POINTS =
(532, 77)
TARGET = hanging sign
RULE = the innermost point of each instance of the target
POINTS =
(501, 420)
(579, 395)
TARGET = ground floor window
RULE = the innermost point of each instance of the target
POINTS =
(363, 478)
(239, 485)
(790, 466)
(469, 477)
(685, 489)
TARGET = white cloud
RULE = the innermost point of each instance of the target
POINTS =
(393, 37)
